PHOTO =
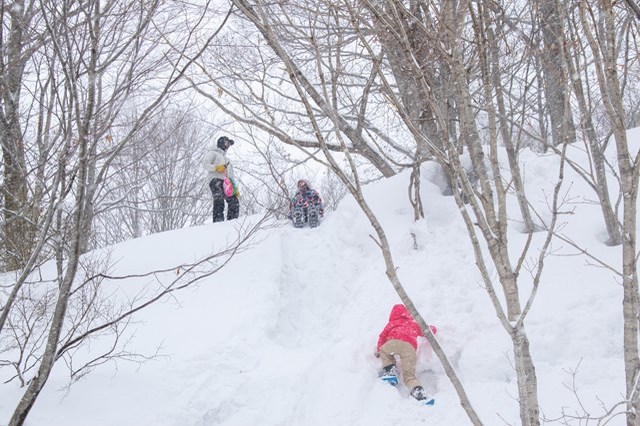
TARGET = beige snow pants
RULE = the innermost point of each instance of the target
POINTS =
(407, 355)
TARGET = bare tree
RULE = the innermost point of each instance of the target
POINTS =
(155, 184)
(599, 23)
(102, 59)
(222, 82)
(18, 41)
(578, 58)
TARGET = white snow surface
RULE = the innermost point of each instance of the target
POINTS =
(285, 333)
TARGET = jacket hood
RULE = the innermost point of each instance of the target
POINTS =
(399, 312)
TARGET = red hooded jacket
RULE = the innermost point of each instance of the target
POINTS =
(401, 326)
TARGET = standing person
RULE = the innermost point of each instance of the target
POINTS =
(218, 167)
(399, 338)
(306, 206)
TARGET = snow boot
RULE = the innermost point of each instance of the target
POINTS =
(389, 374)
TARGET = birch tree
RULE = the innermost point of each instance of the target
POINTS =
(600, 25)
(578, 63)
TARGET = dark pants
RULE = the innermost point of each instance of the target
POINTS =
(233, 205)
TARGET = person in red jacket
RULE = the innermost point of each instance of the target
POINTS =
(399, 338)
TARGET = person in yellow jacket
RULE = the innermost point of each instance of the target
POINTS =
(218, 167)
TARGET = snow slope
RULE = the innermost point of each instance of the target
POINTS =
(285, 334)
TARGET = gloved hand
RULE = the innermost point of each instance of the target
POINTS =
(377, 354)
(237, 193)
(221, 169)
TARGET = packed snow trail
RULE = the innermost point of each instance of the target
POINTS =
(310, 359)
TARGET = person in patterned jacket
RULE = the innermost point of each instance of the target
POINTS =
(400, 338)
(305, 196)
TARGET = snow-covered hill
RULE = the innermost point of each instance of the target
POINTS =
(285, 334)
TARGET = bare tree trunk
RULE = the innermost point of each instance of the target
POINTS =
(551, 23)
(605, 53)
(634, 7)
(629, 173)
(414, 192)
(630, 303)
(494, 229)
(599, 179)
(19, 226)
(490, 66)
(435, 123)
(402, 62)
(527, 381)
(489, 206)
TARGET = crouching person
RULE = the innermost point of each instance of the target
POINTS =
(306, 206)
(398, 343)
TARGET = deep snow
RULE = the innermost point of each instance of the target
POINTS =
(285, 333)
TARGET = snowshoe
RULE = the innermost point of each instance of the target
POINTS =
(392, 380)
(296, 216)
(312, 216)
(389, 374)
(419, 394)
